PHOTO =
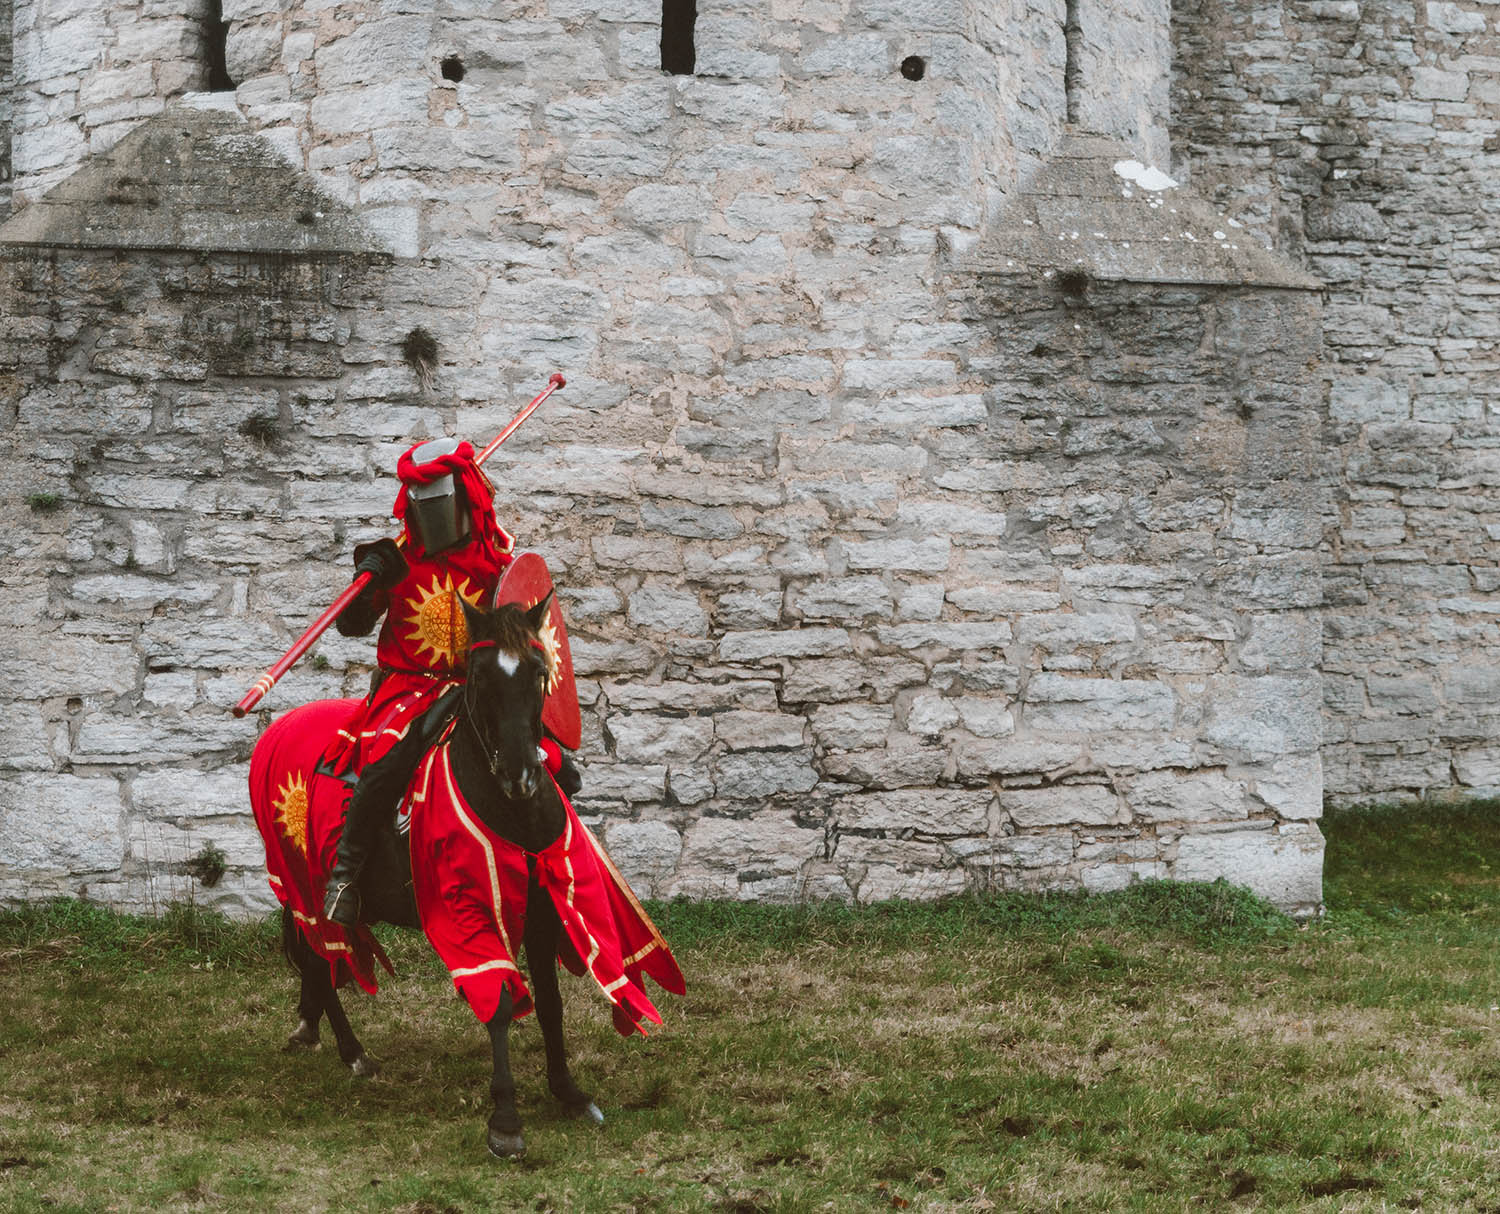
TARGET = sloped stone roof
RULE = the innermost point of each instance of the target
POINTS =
(195, 177)
(1093, 208)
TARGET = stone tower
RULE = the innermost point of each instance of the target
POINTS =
(935, 494)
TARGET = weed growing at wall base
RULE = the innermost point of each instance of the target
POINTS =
(1165, 1048)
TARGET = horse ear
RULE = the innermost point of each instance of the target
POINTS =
(537, 616)
(474, 619)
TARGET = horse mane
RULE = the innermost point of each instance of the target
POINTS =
(508, 627)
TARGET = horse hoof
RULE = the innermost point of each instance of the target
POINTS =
(588, 1112)
(305, 1037)
(365, 1067)
(507, 1145)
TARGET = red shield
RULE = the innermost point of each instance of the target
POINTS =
(526, 583)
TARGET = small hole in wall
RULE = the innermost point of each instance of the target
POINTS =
(452, 68)
(913, 67)
(1074, 283)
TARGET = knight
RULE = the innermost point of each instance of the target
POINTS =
(454, 549)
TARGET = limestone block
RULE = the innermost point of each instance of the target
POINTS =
(192, 792)
(644, 738)
(167, 846)
(843, 598)
(691, 522)
(768, 213)
(1283, 641)
(625, 782)
(962, 523)
(1063, 805)
(1266, 717)
(634, 109)
(721, 855)
(1061, 632)
(903, 763)
(724, 48)
(921, 602)
(930, 714)
(981, 759)
(646, 853)
(935, 16)
(373, 50)
(135, 591)
(590, 602)
(852, 726)
(1293, 787)
(754, 776)
(667, 610)
(940, 812)
(849, 55)
(1283, 864)
(691, 786)
(1448, 18)
(885, 869)
(1043, 851)
(354, 111)
(1057, 702)
(921, 556)
(1186, 796)
(782, 643)
(69, 666)
(986, 718)
(1434, 84)
(1105, 878)
(641, 555)
(747, 730)
(737, 106)
(749, 610)
(54, 821)
(23, 743)
(1478, 768)
(678, 696)
(894, 374)
(252, 50)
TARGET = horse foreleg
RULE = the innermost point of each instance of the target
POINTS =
(505, 1137)
(543, 931)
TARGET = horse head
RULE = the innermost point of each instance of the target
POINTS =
(505, 688)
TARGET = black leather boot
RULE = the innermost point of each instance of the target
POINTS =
(342, 902)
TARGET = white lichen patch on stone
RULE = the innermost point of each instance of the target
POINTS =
(1147, 177)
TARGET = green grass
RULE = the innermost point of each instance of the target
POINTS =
(1164, 1048)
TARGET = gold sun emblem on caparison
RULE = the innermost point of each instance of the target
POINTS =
(438, 619)
(551, 650)
(290, 804)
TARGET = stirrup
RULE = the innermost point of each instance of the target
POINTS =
(341, 909)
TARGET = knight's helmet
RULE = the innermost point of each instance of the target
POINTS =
(437, 511)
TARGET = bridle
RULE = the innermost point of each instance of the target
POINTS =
(491, 754)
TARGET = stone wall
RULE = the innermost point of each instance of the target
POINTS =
(1365, 138)
(84, 75)
(7, 89)
(885, 578)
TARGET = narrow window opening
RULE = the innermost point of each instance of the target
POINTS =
(216, 38)
(1073, 66)
(677, 20)
(452, 68)
(914, 67)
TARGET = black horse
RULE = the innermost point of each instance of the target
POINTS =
(492, 729)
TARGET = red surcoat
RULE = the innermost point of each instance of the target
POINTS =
(471, 888)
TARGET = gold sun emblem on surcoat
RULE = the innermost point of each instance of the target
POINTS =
(437, 619)
(290, 805)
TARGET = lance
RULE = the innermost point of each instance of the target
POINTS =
(320, 625)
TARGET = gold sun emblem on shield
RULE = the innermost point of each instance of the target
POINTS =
(290, 805)
(438, 620)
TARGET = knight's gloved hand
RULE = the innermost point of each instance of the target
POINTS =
(382, 560)
(569, 779)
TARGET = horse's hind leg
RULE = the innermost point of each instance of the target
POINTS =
(543, 930)
(318, 999)
(309, 998)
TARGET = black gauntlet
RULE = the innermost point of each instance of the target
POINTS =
(383, 561)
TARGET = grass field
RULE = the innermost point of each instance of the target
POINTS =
(1160, 1049)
